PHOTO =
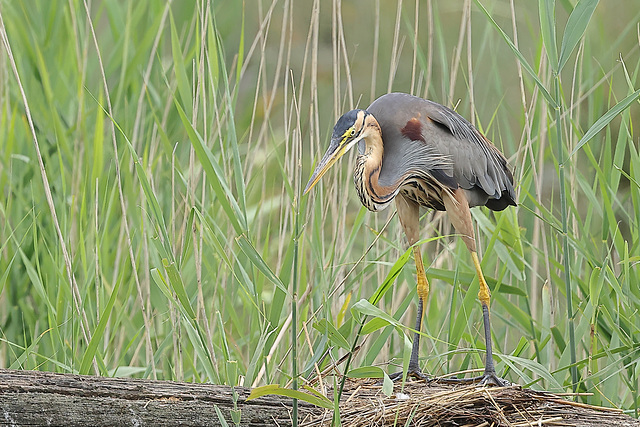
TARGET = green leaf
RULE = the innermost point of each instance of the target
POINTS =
(373, 372)
(215, 175)
(212, 47)
(596, 281)
(240, 49)
(366, 372)
(154, 206)
(391, 277)
(196, 337)
(365, 307)
(152, 200)
(406, 356)
(175, 280)
(98, 143)
(231, 130)
(515, 362)
(322, 402)
(513, 290)
(547, 11)
(221, 418)
(256, 359)
(224, 342)
(604, 121)
(98, 335)
(558, 338)
(161, 283)
(5, 274)
(520, 57)
(373, 325)
(259, 262)
(576, 26)
(184, 88)
(35, 280)
(334, 335)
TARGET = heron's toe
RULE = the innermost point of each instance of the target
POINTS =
(416, 374)
(491, 379)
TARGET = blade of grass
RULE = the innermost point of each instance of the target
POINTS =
(521, 58)
(215, 175)
(150, 196)
(260, 263)
(98, 334)
(179, 69)
(603, 121)
(322, 402)
(548, 29)
(576, 26)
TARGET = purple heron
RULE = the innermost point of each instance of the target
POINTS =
(420, 153)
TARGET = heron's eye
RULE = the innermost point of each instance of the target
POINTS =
(352, 132)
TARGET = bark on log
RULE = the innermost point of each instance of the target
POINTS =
(31, 398)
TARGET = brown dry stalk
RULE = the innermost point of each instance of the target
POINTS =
(436, 404)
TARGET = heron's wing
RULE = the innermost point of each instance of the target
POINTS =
(476, 161)
(418, 133)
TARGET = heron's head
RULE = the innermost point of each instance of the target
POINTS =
(347, 132)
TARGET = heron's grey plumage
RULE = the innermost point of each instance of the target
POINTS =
(448, 149)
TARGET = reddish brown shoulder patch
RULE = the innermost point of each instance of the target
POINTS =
(413, 130)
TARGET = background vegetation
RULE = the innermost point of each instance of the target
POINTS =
(152, 157)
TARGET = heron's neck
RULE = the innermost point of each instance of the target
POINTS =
(373, 196)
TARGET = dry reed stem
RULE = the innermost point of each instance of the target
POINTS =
(435, 404)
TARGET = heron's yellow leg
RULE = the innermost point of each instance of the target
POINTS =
(423, 284)
(457, 206)
(423, 293)
(409, 215)
(484, 294)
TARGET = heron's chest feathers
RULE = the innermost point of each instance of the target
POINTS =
(416, 183)
(373, 196)
(425, 191)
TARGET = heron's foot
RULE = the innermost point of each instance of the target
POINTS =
(486, 379)
(491, 379)
(414, 373)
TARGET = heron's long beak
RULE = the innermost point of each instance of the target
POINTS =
(336, 149)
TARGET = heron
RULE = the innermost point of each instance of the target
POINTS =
(423, 154)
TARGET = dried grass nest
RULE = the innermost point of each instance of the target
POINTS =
(436, 404)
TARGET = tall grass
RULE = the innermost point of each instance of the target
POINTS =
(152, 224)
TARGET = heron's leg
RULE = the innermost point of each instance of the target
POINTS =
(484, 295)
(457, 207)
(409, 215)
(423, 293)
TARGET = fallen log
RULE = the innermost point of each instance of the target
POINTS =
(31, 398)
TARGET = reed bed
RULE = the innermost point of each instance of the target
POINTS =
(152, 157)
